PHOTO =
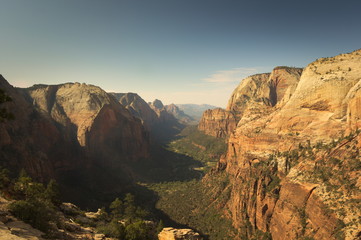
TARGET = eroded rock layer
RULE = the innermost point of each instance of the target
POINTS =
(75, 133)
(102, 126)
(294, 154)
(255, 96)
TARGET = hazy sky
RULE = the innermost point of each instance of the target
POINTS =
(179, 51)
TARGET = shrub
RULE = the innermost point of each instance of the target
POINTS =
(137, 231)
(113, 229)
(4, 178)
(37, 213)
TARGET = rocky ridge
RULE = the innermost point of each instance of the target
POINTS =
(160, 121)
(284, 144)
(255, 96)
(72, 132)
(179, 114)
(138, 108)
(217, 122)
(100, 124)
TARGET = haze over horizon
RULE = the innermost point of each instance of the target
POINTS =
(176, 51)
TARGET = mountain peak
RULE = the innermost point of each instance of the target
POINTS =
(158, 104)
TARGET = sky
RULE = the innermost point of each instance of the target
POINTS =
(178, 51)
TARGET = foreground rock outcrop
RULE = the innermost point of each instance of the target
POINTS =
(178, 234)
(292, 129)
(12, 228)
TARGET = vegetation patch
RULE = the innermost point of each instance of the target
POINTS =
(198, 205)
(199, 146)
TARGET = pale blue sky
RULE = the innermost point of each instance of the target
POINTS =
(179, 51)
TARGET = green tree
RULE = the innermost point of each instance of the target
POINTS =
(113, 229)
(35, 190)
(117, 209)
(160, 226)
(130, 210)
(4, 178)
(52, 192)
(22, 183)
(137, 231)
(35, 212)
(103, 216)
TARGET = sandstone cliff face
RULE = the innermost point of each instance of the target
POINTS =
(159, 120)
(31, 140)
(278, 157)
(217, 122)
(179, 114)
(163, 115)
(255, 96)
(73, 133)
(167, 125)
(101, 125)
(138, 108)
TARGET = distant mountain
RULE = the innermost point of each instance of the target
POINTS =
(160, 122)
(180, 115)
(138, 108)
(168, 125)
(195, 110)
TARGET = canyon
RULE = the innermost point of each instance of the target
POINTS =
(291, 168)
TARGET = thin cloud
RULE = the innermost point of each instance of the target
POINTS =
(229, 76)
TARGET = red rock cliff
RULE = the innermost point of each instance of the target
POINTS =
(281, 154)
(255, 96)
(69, 127)
(102, 126)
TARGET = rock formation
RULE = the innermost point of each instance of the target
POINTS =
(288, 136)
(217, 122)
(71, 132)
(12, 228)
(161, 111)
(255, 96)
(138, 108)
(31, 140)
(159, 120)
(167, 125)
(178, 234)
(99, 123)
(179, 114)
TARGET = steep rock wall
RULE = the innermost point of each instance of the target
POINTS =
(272, 193)
(71, 132)
(138, 108)
(254, 97)
(102, 126)
(217, 122)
